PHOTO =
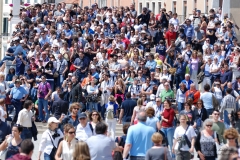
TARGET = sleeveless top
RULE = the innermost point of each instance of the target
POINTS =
(207, 145)
(12, 150)
(67, 151)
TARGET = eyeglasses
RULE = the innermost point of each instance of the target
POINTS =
(76, 108)
(209, 125)
(95, 114)
(71, 132)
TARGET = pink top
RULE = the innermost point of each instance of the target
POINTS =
(194, 63)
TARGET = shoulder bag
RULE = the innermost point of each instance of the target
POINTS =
(54, 149)
(56, 73)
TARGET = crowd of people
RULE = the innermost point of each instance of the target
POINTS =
(173, 85)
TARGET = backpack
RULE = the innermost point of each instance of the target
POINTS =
(109, 112)
(191, 95)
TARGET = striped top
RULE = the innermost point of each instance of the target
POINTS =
(228, 103)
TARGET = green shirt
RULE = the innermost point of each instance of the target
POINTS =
(165, 94)
(219, 127)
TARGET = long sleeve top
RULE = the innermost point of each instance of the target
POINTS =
(169, 115)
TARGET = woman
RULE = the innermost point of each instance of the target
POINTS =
(94, 118)
(130, 78)
(206, 140)
(231, 135)
(12, 142)
(200, 114)
(92, 91)
(217, 90)
(203, 25)
(3, 86)
(194, 67)
(25, 84)
(81, 151)
(180, 96)
(152, 121)
(157, 152)
(144, 99)
(167, 121)
(184, 139)
(10, 74)
(119, 91)
(189, 112)
(136, 109)
(214, 69)
(111, 116)
(50, 140)
(66, 146)
(49, 71)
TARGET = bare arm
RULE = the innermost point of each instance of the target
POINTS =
(59, 152)
(127, 148)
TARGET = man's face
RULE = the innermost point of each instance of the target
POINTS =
(215, 115)
(187, 78)
(74, 80)
(43, 79)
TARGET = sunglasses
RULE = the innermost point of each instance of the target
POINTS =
(71, 132)
(76, 108)
(209, 125)
(82, 118)
(95, 114)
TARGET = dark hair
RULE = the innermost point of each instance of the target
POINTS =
(206, 87)
(27, 146)
(19, 127)
(125, 128)
(101, 128)
(169, 102)
(128, 95)
(216, 110)
(13, 71)
(27, 104)
(90, 116)
(229, 90)
(61, 95)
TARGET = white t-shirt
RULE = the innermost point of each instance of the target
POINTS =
(2, 113)
(218, 93)
(179, 132)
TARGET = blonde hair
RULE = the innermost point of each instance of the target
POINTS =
(111, 98)
(2, 101)
(66, 129)
(157, 138)
(81, 151)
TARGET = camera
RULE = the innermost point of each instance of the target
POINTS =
(105, 91)
(55, 135)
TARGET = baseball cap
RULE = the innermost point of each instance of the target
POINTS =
(152, 96)
(70, 74)
(82, 115)
(53, 119)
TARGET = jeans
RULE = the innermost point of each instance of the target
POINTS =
(18, 106)
(10, 58)
(209, 112)
(226, 119)
(81, 76)
(183, 155)
(92, 106)
(47, 157)
(103, 110)
(137, 158)
(43, 104)
(111, 127)
(179, 78)
(26, 134)
(180, 107)
(169, 132)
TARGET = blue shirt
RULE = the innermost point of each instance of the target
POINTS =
(206, 97)
(151, 65)
(152, 122)
(188, 83)
(181, 67)
(139, 135)
(18, 49)
(115, 108)
(18, 93)
(188, 30)
(161, 50)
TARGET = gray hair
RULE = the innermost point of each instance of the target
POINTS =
(207, 121)
(142, 116)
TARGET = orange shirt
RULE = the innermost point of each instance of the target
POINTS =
(196, 95)
(86, 81)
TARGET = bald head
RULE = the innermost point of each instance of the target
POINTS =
(142, 116)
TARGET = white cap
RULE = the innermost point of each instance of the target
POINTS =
(45, 29)
(16, 38)
(22, 41)
(70, 74)
(92, 67)
(152, 97)
(147, 54)
(143, 31)
(53, 119)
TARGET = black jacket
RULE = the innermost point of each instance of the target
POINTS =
(59, 107)
(203, 114)
(34, 131)
(76, 94)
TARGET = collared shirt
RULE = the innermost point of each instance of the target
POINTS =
(83, 133)
(139, 135)
(25, 118)
(151, 64)
(169, 93)
(206, 97)
(18, 93)
(188, 30)
(61, 65)
(228, 103)
(18, 49)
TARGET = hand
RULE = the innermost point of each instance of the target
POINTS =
(33, 118)
(22, 100)
(191, 150)
(201, 156)
(173, 151)
(119, 122)
(46, 97)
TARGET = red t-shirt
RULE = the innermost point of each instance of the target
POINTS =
(170, 36)
(169, 115)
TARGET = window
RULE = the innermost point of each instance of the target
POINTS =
(206, 11)
(51, 1)
(174, 7)
(147, 5)
(35, 1)
(159, 5)
(5, 26)
(195, 4)
(185, 9)
(153, 7)
(140, 7)
(28, 1)
(8, 1)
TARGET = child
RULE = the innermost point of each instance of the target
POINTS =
(3, 113)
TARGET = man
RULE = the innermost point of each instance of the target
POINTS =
(199, 38)
(152, 102)
(60, 106)
(138, 139)
(151, 63)
(107, 144)
(171, 35)
(187, 81)
(76, 93)
(225, 76)
(188, 30)
(62, 68)
(218, 126)
(180, 65)
(236, 85)
(193, 93)
(228, 106)
(127, 109)
(81, 64)
(43, 94)
(26, 151)
(135, 89)
(147, 88)
(17, 97)
(144, 17)
(207, 98)
(84, 129)
(167, 92)
(4, 131)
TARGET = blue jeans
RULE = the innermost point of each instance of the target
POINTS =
(43, 104)
(226, 119)
(92, 106)
(180, 107)
(47, 157)
(81, 76)
(209, 112)
(18, 106)
(169, 132)
(103, 110)
(26, 134)
(179, 78)
(10, 58)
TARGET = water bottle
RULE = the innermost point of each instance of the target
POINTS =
(9, 139)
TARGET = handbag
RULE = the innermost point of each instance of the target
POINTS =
(54, 149)
(172, 71)
(56, 73)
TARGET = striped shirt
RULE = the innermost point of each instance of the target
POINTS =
(228, 103)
